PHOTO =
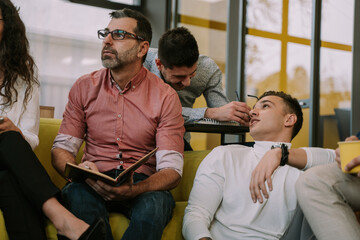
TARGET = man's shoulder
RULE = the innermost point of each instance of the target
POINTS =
(150, 58)
(95, 76)
(229, 151)
(157, 84)
(233, 148)
(207, 62)
(206, 68)
(222, 157)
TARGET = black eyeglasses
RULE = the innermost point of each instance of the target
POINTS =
(117, 34)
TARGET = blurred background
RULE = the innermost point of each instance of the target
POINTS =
(276, 48)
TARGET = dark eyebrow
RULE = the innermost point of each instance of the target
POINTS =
(263, 101)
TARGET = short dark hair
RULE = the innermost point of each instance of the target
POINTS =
(292, 106)
(143, 28)
(178, 47)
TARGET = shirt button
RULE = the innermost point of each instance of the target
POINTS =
(119, 116)
(118, 139)
(121, 162)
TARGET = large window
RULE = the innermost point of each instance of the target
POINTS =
(64, 43)
(206, 19)
(278, 52)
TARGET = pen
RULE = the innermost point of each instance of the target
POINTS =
(253, 96)
(237, 95)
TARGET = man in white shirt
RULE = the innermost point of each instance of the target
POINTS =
(220, 204)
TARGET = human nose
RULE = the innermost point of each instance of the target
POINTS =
(186, 82)
(107, 39)
(253, 112)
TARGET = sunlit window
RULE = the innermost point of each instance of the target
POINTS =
(278, 53)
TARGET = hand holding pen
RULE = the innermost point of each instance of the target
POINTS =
(234, 111)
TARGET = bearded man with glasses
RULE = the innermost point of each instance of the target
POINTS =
(122, 112)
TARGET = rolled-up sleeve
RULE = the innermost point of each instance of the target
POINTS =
(167, 159)
(318, 156)
(68, 143)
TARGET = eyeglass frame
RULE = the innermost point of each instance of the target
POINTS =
(132, 35)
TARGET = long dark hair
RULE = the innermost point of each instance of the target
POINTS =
(15, 60)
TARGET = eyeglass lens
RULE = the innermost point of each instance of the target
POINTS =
(116, 34)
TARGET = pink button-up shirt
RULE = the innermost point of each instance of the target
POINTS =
(120, 127)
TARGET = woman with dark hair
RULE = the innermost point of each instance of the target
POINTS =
(26, 191)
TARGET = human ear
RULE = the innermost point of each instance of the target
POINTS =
(290, 120)
(158, 64)
(143, 48)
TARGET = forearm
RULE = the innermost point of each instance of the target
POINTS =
(190, 114)
(303, 158)
(162, 180)
(297, 158)
(59, 158)
(318, 156)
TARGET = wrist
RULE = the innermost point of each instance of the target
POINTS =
(277, 153)
(283, 151)
(209, 113)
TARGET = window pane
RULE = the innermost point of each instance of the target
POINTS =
(337, 21)
(206, 19)
(215, 10)
(336, 80)
(300, 14)
(64, 46)
(298, 70)
(262, 65)
(264, 15)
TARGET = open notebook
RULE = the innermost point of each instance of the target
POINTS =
(77, 173)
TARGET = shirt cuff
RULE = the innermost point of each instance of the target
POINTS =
(68, 143)
(169, 159)
(318, 156)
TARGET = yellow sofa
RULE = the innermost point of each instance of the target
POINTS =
(48, 130)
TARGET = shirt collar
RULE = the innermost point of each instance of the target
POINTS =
(133, 83)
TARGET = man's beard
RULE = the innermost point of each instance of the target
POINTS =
(118, 62)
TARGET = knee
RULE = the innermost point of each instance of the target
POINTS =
(306, 183)
(156, 208)
(79, 194)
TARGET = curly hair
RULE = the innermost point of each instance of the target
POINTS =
(15, 60)
(292, 106)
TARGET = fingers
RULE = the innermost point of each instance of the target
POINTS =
(351, 138)
(258, 187)
(337, 157)
(104, 190)
(240, 112)
(353, 163)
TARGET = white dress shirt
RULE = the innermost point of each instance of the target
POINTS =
(27, 120)
(220, 204)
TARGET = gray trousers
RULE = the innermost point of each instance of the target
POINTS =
(299, 228)
(328, 198)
